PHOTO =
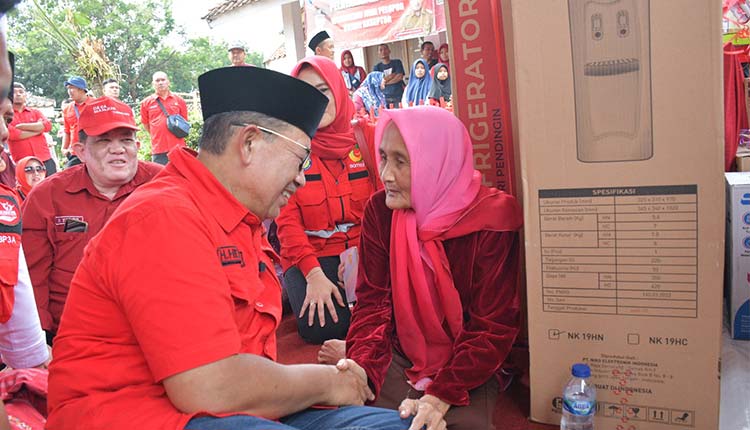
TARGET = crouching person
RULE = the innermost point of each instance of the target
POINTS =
(437, 296)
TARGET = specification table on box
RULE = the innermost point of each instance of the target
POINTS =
(626, 251)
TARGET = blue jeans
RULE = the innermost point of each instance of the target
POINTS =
(346, 418)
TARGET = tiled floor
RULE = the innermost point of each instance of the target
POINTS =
(735, 384)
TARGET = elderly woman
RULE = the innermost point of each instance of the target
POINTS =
(323, 218)
(437, 296)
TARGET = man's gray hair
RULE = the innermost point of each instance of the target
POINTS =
(218, 129)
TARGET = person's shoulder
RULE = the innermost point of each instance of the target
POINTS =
(148, 100)
(149, 168)
(376, 207)
(163, 198)
(9, 192)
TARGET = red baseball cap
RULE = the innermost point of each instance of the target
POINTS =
(103, 114)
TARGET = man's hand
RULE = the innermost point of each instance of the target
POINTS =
(351, 386)
(332, 351)
(66, 151)
(428, 411)
(318, 297)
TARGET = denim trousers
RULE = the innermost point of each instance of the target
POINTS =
(345, 418)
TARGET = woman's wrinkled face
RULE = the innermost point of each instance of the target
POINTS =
(419, 71)
(309, 75)
(442, 74)
(443, 54)
(348, 60)
(395, 169)
(35, 172)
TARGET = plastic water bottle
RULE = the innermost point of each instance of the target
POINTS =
(579, 400)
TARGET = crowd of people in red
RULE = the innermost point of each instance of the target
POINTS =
(155, 286)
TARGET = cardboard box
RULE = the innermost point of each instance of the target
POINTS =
(621, 140)
(743, 163)
(737, 270)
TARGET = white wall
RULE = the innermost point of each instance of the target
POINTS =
(258, 24)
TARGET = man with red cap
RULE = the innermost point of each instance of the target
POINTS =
(66, 210)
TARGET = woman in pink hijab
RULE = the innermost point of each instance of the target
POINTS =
(437, 295)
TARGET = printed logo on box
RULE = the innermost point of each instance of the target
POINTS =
(746, 218)
(746, 242)
(745, 199)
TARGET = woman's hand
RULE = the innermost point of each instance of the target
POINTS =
(318, 297)
(428, 411)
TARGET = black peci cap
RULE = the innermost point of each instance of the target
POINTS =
(315, 41)
(253, 89)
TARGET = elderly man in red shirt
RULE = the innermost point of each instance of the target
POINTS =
(154, 112)
(66, 210)
(172, 317)
(26, 132)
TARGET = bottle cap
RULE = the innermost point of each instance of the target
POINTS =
(581, 370)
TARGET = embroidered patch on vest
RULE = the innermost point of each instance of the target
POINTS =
(355, 155)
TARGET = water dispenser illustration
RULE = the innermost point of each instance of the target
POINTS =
(612, 78)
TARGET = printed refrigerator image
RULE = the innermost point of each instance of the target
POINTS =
(620, 135)
(610, 41)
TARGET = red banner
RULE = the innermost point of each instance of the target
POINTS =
(359, 23)
(440, 16)
(481, 96)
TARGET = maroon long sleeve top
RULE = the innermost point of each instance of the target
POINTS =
(484, 266)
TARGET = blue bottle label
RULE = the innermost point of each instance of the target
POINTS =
(579, 407)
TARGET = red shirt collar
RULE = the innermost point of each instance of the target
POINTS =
(80, 180)
(212, 195)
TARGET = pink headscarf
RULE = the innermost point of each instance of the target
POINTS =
(448, 201)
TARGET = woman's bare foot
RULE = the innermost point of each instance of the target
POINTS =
(332, 351)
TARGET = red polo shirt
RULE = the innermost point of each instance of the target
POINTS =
(31, 146)
(162, 140)
(70, 119)
(52, 254)
(180, 277)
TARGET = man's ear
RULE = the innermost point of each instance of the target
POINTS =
(245, 142)
(78, 149)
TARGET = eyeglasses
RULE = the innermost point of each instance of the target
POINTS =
(31, 169)
(269, 131)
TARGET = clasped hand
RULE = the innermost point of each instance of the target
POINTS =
(351, 385)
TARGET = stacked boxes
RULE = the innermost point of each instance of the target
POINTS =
(737, 276)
